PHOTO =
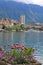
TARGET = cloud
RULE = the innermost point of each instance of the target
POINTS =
(38, 2)
(24, 1)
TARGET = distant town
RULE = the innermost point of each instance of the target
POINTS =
(15, 25)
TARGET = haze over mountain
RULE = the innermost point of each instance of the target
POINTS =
(13, 10)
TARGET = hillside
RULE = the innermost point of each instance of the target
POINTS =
(13, 10)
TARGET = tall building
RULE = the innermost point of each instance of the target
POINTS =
(22, 19)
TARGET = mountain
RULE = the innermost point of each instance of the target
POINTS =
(13, 10)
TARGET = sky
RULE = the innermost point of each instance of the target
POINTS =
(38, 2)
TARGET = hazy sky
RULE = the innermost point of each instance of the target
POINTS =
(39, 2)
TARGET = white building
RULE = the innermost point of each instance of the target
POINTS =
(22, 19)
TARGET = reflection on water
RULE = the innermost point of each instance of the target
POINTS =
(29, 39)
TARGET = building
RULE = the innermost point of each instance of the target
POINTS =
(5, 22)
(15, 22)
(22, 19)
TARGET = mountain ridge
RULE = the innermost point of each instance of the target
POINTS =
(13, 10)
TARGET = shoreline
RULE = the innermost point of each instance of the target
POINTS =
(20, 30)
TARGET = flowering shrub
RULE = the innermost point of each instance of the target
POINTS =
(18, 55)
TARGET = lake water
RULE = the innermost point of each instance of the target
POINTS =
(29, 39)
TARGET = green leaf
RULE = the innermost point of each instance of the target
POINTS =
(13, 52)
(28, 52)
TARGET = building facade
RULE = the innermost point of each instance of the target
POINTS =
(22, 19)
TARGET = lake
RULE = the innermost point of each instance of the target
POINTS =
(29, 39)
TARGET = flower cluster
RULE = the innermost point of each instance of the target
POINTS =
(18, 55)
